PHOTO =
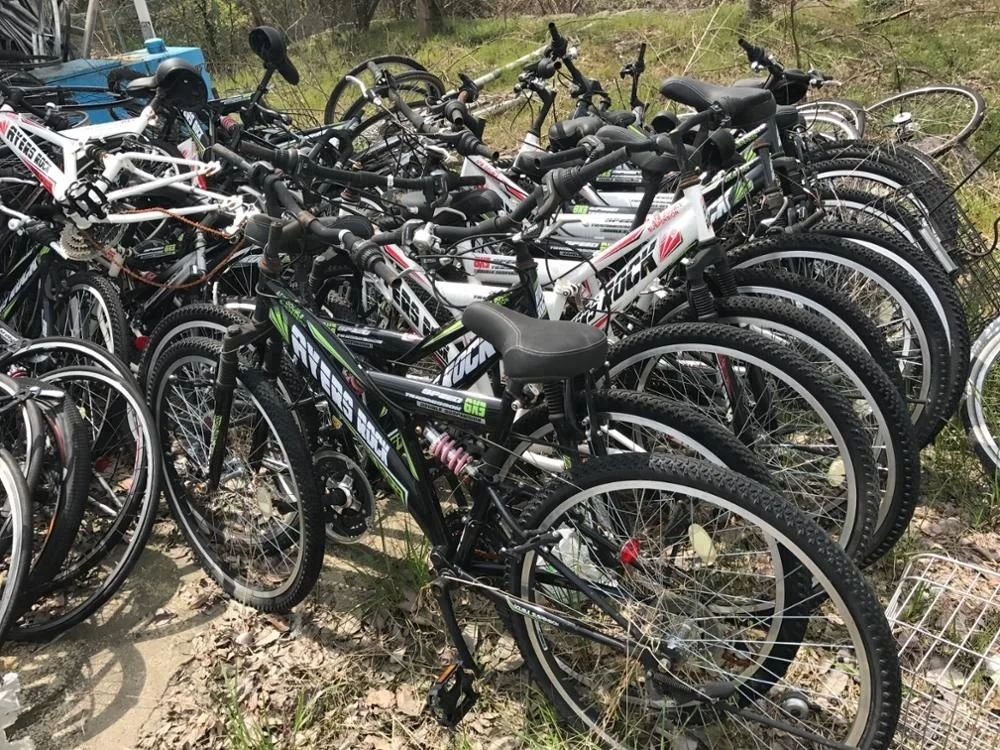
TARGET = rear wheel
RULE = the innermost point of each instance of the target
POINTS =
(346, 93)
(933, 119)
(981, 409)
(88, 307)
(15, 537)
(779, 405)
(124, 491)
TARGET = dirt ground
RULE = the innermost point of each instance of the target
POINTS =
(172, 664)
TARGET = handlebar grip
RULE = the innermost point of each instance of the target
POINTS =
(554, 33)
(755, 53)
(455, 112)
(256, 151)
(368, 257)
(380, 269)
(231, 157)
(483, 150)
(589, 172)
(545, 162)
(471, 180)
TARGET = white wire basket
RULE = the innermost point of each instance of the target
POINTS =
(945, 615)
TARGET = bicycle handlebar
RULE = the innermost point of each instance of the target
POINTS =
(294, 162)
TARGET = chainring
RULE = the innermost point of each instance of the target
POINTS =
(348, 498)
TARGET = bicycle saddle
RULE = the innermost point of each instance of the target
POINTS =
(177, 82)
(537, 350)
(750, 83)
(269, 45)
(744, 107)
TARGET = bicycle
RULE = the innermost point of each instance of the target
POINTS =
(570, 551)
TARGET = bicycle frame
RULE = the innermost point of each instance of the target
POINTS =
(359, 401)
(19, 133)
(651, 251)
(355, 400)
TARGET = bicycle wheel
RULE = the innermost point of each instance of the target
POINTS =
(899, 163)
(260, 534)
(872, 395)
(847, 109)
(15, 537)
(38, 356)
(922, 199)
(416, 88)
(338, 101)
(933, 119)
(684, 555)
(828, 125)
(629, 422)
(212, 321)
(939, 289)
(898, 306)
(789, 415)
(851, 206)
(818, 298)
(124, 491)
(981, 407)
(200, 319)
(88, 307)
(59, 492)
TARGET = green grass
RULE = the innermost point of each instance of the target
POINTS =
(935, 43)
(392, 574)
(245, 732)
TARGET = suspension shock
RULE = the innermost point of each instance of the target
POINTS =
(447, 450)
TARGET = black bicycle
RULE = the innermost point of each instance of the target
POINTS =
(653, 598)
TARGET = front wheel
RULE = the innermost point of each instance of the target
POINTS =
(685, 556)
(259, 534)
(981, 407)
(88, 307)
(933, 119)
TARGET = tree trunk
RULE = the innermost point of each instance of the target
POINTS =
(429, 19)
(755, 10)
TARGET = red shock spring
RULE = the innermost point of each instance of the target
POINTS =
(450, 453)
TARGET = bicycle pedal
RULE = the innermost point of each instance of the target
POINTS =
(451, 696)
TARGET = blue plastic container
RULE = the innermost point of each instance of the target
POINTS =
(95, 72)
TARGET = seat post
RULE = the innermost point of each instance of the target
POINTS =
(559, 403)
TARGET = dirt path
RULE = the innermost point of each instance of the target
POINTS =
(172, 664)
(97, 685)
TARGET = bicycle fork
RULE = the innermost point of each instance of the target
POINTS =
(224, 389)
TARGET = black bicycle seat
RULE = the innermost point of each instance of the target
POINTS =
(537, 350)
(744, 107)
(177, 82)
